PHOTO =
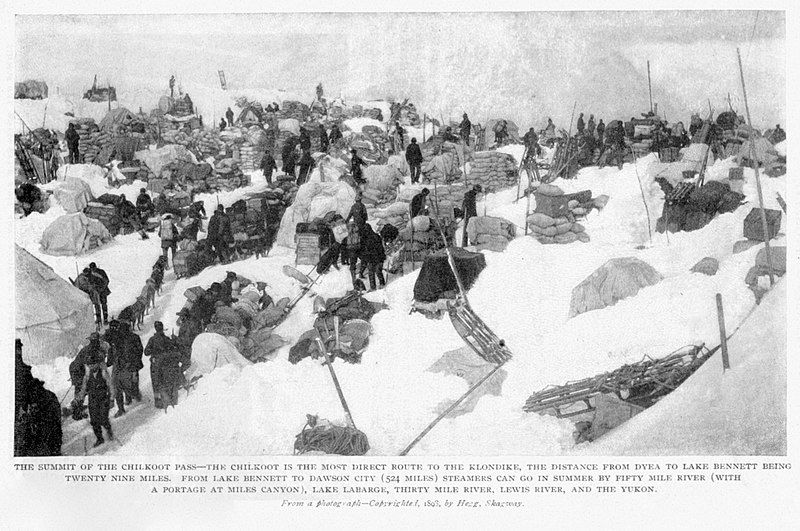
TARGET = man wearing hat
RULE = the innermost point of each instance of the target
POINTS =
(100, 280)
(98, 385)
(157, 349)
(219, 233)
(414, 159)
(470, 209)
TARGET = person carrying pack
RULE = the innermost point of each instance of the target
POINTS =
(168, 234)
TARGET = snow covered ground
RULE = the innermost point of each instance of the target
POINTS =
(523, 295)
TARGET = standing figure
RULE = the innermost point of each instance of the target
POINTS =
(373, 254)
(465, 128)
(229, 116)
(590, 127)
(470, 208)
(601, 129)
(99, 387)
(100, 280)
(219, 233)
(168, 233)
(172, 86)
(356, 163)
(84, 283)
(268, 165)
(414, 159)
(73, 140)
(323, 139)
(581, 124)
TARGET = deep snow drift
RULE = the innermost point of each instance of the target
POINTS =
(523, 295)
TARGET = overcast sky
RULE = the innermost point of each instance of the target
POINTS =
(487, 63)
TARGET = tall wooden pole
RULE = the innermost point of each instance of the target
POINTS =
(723, 338)
(758, 177)
(649, 86)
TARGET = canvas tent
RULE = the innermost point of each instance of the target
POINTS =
(251, 114)
(52, 316)
(73, 234)
(617, 279)
(120, 116)
(73, 194)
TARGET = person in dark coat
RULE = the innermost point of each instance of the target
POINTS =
(356, 163)
(222, 124)
(590, 126)
(305, 140)
(581, 124)
(144, 205)
(37, 413)
(306, 164)
(601, 129)
(30, 197)
(531, 141)
(418, 202)
(100, 280)
(778, 134)
(500, 132)
(470, 209)
(268, 165)
(165, 367)
(125, 361)
(335, 134)
(171, 86)
(414, 159)
(373, 254)
(289, 159)
(219, 233)
(465, 128)
(73, 140)
(323, 139)
(84, 283)
(358, 213)
(98, 385)
(229, 116)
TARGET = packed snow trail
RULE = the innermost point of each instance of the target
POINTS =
(78, 435)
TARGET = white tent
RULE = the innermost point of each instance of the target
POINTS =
(52, 316)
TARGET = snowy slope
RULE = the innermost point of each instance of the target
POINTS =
(741, 411)
(523, 295)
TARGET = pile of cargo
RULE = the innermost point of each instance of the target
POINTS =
(294, 109)
(555, 217)
(486, 232)
(493, 170)
(248, 219)
(105, 213)
(208, 143)
(91, 139)
(227, 176)
(247, 323)
(441, 163)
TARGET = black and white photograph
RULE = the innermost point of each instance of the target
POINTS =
(400, 234)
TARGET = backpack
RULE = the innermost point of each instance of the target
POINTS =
(167, 231)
